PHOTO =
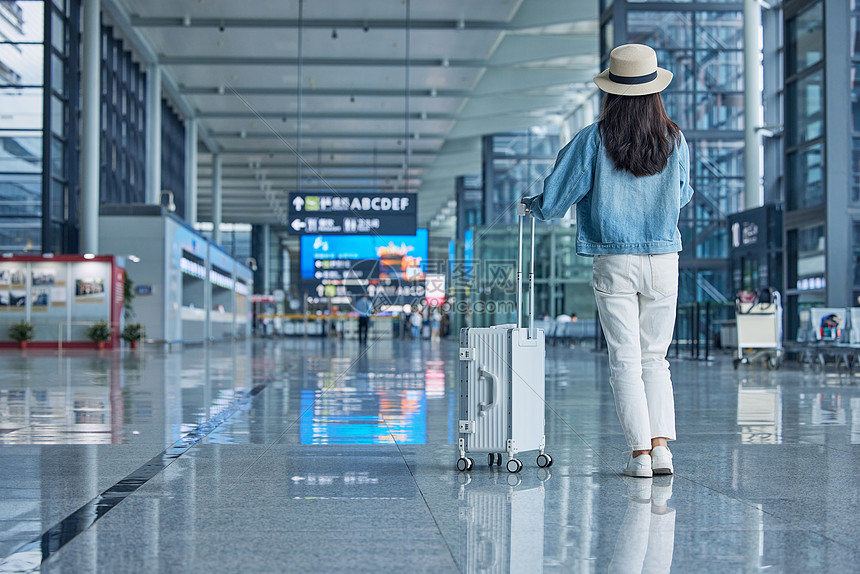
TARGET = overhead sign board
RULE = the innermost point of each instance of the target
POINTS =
(313, 213)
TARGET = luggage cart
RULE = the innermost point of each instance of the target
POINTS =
(759, 324)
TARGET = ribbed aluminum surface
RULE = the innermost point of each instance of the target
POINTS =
(485, 532)
(492, 354)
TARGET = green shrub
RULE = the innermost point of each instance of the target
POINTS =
(132, 332)
(99, 331)
(22, 331)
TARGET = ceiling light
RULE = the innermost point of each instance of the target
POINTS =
(89, 256)
(134, 258)
(221, 90)
(186, 21)
(445, 62)
(433, 93)
(461, 24)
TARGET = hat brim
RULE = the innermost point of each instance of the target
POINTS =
(656, 85)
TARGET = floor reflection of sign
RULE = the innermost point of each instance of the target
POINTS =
(351, 416)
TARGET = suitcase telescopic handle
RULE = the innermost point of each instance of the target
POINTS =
(521, 212)
(494, 387)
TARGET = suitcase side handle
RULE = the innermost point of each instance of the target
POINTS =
(494, 386)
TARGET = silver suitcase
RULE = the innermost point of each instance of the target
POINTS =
(501, 408)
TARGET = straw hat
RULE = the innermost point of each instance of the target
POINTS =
(633, 71)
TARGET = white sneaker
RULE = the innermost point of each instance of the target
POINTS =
(639, 467)
(661, 460)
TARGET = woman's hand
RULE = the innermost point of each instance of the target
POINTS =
(522, 208)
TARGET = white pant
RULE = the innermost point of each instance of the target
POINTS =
(636, 297)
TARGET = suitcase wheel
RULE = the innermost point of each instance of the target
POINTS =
(544, 460)
(464, 464)
(494, 458)
(514, 465)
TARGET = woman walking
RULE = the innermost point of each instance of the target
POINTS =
(628, 176)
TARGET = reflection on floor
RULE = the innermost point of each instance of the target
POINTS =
(310, 455)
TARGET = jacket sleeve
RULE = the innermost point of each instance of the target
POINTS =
(686, 189)
(571, 177)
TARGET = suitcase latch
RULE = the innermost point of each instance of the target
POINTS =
(467, 427)
(467, 354)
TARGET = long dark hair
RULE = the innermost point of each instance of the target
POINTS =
(637, 133)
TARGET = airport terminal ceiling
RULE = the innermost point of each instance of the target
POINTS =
(370, 82)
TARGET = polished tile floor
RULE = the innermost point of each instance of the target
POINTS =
(307, 455)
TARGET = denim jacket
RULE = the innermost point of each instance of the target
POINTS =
(616, 212)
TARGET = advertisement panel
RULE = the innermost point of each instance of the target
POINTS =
(391, 268)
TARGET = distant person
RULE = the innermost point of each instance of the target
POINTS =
(563, 318)
(417, 323)
(365, 312)
(406, 321)
(628, 175)
(435, 324)
(573, 318)
(446, 324)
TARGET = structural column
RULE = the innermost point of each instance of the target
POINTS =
(191, 171)
(267, 236)
(153, 134)
(216, 198)
(91, 129)
(837, 154)
(752, 104)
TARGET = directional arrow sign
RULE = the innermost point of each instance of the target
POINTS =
(353, 213)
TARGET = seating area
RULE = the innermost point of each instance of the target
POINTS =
(567, 332)
(828, 334)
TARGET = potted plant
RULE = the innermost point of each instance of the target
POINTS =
(132, 333)
(22, 331)
(99, 332)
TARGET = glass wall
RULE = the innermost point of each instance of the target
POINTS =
(123, 124)
(514, 166)
(701, 43)
(805, 108)
(806, 269)
(40, 101)
(562, 278)
(855, 152)
(21, 108)
(173, 156)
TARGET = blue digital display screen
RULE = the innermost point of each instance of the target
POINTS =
(400, 256)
